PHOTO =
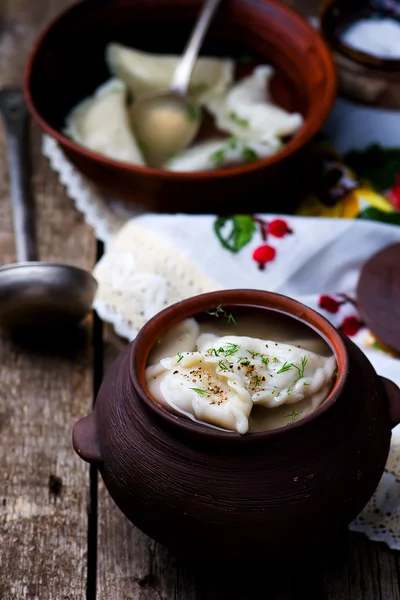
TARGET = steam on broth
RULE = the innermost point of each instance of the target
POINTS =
(244, 371)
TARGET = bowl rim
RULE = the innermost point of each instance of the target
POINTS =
(164, 320)
(305, 133)
(388, 65)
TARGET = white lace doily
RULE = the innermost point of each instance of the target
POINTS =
(143, 270)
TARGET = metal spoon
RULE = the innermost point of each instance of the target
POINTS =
(166, 123)
(34, 294)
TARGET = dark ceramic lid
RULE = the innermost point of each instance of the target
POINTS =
(378, 296)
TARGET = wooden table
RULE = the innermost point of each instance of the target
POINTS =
(61, 537)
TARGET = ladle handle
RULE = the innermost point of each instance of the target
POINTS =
(183, 71)
(16, 120)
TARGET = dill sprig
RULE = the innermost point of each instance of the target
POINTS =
(213, 351)
(238, 120)
(219, 311)
(300, 370)
(230, 349)
(243, 360)
(293, 415)
(180, 356)
(285, 367)
(201, 391)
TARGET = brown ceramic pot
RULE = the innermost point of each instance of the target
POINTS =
(67, 64)
(216, 495)
(362, 77)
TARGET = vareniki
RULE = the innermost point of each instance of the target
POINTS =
(221, 381)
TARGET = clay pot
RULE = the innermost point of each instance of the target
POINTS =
(216, 495)
(362, 77)
(67, 64)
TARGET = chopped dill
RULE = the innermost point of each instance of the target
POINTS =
(306, 383)
(200, 391)
(231, 318)
(217, 312)
(285, 367)
(213, 351)
(191, 113)
(265, 360)
(289, 390)
(293, 415)
(243, 361)
(230, 349)
(222, 365)
(253, 354)
(300, 370)
(275, 360)
(249, 155)
(217, 157)
(180, 356)
(238, 120)
(257, 380)
(220, 311)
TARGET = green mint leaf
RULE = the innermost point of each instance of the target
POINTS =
(241, 231)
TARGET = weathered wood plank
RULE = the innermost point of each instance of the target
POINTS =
(43, 486)
(363, 571)
(133, 567)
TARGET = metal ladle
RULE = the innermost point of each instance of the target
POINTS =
(166, 123)
(32, 293)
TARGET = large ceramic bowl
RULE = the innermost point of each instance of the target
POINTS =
(218, 496)
(67, 64)
(362, 77)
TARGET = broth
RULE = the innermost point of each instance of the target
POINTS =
(283, 337)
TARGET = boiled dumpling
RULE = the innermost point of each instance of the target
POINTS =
(218, 153)
(181, 338)
(248, 114)
(195, 383)
(144, 72)
(101, 124)
(221, 383)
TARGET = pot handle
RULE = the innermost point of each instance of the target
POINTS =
(85, 440)
(393, 396)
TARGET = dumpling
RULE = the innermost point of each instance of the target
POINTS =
(181, 338)
(101, 124)
(144, 72)
(221, 384)
(248, 114)
(218, 153)
(196, 384)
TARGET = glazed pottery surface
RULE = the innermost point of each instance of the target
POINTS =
(362, 77)
(67, 64)
(216, 495)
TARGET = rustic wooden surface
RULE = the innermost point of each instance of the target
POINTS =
(43, 487)
(49, 505)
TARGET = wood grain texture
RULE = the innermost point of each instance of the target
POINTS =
(133, 567)
(43, 486)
